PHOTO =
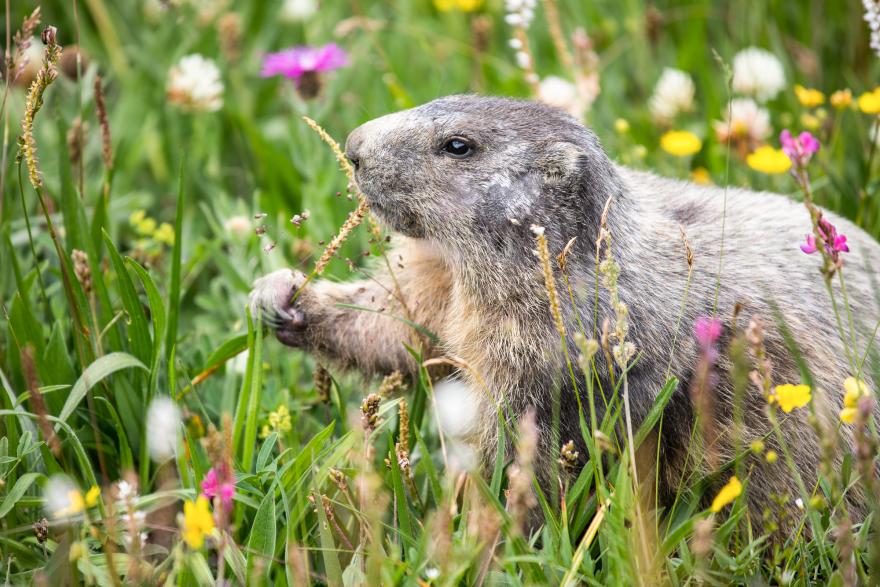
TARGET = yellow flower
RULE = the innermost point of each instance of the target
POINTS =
(92, 496)
(728, 493)
(772, 456)
(280, 419)
(809, 97)
(701, 176)
(463, 5)
(680, 143)
(197, 522)
(137, 217)
(841, 99)
(766, 159)
(621, 125)
(809, 121)
(165, 234)
(854, 390)
(869, 102)
(790, 396)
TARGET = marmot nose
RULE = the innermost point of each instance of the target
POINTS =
(352, 148)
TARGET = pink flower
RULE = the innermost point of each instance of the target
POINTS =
(801, 149)
(707, 330)
(834, 243)
(296, 62)
(212, 487)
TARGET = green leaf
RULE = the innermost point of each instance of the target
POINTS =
(18, 490)
(126, 460)
(261, 541)
(174, 292)
(137, 328)
(656, 410)
(94, 373)
(226, 351)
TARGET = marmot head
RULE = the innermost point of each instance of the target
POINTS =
(467, 168)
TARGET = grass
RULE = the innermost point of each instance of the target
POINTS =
(332, 495)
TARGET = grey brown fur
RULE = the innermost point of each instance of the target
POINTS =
(470, 276)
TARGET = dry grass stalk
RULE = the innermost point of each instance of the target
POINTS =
(34, 101)
(549, 279)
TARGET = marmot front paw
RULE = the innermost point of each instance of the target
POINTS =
(271, 300)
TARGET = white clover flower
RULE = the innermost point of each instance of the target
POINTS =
(457, 408)
(758, 73)
(194, 84)
(298, 10)
(163, 426)
(238, 226)
(744, 120)
(673, 93)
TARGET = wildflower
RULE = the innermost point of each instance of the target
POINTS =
(771, 457)
(841, 99)
(701, 176)
(680, 143)
(304, 65)
(462, 5)
(801, 149)
(707, 331)
(143, 224)
(872, 17)
(163, 425)
(789, 397)
(833, 243)
(562, 94)
(457, 408)
(673, 93)
(197, 522)
(63, 499)
(810, 121)
(237, 226)
(768, 160)
(757, 446)
(298, 10)
(744, 121)
(809, 97)
(726, 495)
(758, 73)
(869, 102)
(194, 84)
(519, 13)
(279, 421)
(854, 390)
(213, 486)
(621, 125)
(165, 234)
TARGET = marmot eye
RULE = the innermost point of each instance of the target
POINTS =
(457, 147)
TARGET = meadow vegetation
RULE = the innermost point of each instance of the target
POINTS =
(158, 156)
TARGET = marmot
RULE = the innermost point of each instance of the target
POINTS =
(463, 178)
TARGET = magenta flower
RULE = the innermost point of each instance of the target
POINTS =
(296, 62)
(801, 149)
(834, 243)
(212, 487)
(707, 330)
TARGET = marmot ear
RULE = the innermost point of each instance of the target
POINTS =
(560, 161)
